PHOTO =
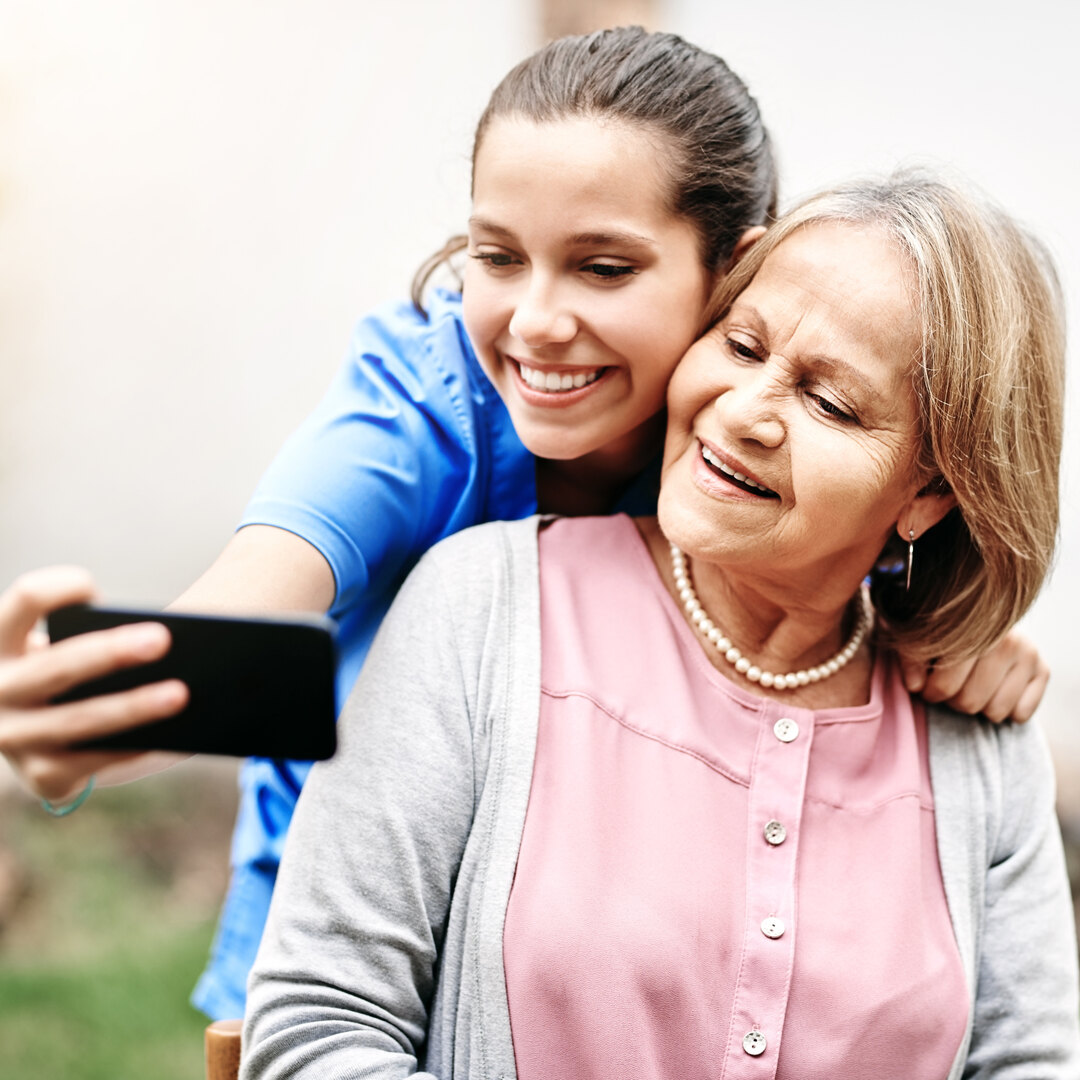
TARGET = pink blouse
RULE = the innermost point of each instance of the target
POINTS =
(711, 883)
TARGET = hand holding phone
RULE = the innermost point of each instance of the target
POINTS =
(259, 687)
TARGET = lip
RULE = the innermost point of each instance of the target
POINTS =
(562, 398)
(714, 483)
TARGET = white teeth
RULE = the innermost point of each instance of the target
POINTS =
(551, 382)
(712, 459)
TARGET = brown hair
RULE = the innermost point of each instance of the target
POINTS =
(990, 384)
(720, 157)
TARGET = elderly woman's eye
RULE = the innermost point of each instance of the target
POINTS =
(830, 408)
(741, 350)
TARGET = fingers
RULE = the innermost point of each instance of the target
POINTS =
(27, 731)
(945, 682)
(36, 736)
(914, 675)
(34, 595)
(43, 674)
(104, 715)
(1018, 699)
(1005, 683)
(38, 741)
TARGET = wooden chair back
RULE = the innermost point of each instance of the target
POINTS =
(223, 1050)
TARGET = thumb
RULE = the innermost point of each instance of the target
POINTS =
(914, 675)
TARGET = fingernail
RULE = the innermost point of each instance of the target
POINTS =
(147, 639)
(171, 694)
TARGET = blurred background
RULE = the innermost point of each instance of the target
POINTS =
(196, 202)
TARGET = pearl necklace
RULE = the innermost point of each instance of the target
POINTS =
(749, 670)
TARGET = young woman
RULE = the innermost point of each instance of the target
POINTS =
(616, 178)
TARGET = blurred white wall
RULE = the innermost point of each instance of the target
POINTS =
(196, 202)
(197, 199)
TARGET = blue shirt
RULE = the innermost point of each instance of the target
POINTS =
(410, 444)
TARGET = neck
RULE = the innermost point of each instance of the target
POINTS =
(594, 483)
(775, 626)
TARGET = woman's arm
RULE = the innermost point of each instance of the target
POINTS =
(1008, 890)
(346, 974)
(1027, 1008)
(262, 570)
(373, 477)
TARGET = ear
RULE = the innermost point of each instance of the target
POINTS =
(744, 244)
(926, 508)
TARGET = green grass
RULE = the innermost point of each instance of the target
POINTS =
(109, 1017)
(105, 922)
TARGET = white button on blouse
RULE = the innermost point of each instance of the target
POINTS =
(754, 1043)
(772, 927)
(775, 833)
(785, 729)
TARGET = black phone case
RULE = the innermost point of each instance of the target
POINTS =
(259, 687)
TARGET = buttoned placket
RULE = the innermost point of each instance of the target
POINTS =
(774, 820)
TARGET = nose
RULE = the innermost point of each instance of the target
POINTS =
(752, 408)
(540, 316)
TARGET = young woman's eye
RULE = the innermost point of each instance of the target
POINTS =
(494, 259)
(741, 349)
(609, 270)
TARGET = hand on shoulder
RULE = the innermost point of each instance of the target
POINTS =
(1006, 683)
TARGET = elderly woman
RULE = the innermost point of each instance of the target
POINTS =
(663, 807)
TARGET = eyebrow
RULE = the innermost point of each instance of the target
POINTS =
(583, 239)
(830, 363)
(602, 238)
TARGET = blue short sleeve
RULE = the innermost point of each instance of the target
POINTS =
(397, 454)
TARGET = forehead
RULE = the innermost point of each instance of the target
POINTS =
(846, 288)
(597, 167)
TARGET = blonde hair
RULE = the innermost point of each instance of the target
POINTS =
(990, 384)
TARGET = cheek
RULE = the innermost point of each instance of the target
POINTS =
(478, 311)
(695, 383)
(661, 321)
(861, 479)
(679, 396)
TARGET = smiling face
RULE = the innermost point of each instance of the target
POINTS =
(793, 423)
(582, 290)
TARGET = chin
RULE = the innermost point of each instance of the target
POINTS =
(551, 447)
(557, 442)
(693, 528)
(679, 524)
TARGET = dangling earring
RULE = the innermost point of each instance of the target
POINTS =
(910, 557)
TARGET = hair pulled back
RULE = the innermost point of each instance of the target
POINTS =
(719, 156)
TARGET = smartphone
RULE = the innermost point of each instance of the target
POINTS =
(259, 687)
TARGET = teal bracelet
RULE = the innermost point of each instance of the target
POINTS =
(71, 807)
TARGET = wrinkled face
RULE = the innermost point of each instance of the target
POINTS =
(582, 291)
(792, 424)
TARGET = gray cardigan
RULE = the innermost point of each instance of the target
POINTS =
(383, 952)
